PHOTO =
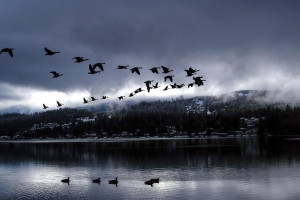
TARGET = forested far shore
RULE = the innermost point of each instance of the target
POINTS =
(150, 119)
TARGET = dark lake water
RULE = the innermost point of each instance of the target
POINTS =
(229, 168)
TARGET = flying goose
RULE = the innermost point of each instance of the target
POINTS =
(115, 181)
(8, 50)
(104, 97)
(100, 65)
(154, 70)
(123, 66)
(59, 104)
(190, 85)
(49, 52)
(198, 80)
(169, 77)
(131, 94)
(166, 88)
(94, 99)
(45, 107)
(138, 90)
(85, 101)
(191, 70)
(55, 74)
(174, 86)
(189, 73)
(121, 97)
(166, 70)
(79, 59)
(136, 69)
(180, 86)
(92, 70)
(156, 86)
(148, 85)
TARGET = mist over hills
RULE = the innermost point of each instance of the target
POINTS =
(243, 99)
(193, 114)
(238, 100)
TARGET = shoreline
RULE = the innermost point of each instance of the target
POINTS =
(104, 140)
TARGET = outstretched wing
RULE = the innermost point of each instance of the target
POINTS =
(100, 65)
(92, 69)
(10, 53)
(48, 51)
(138, 71)
(54, 73)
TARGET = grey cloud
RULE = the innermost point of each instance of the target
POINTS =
(233, 43)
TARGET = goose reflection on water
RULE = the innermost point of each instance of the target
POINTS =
(115, 182)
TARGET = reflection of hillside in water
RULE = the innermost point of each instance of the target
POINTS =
(196, 153)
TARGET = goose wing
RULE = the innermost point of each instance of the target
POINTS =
(54, 73)
(48, 51)
(10, 53)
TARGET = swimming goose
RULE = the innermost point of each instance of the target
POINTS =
(67, 180)
(115, 181)
(155, 180)
(152, 181)
(97, 180)
(149, 182)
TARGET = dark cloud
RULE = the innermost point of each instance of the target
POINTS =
(234, 43)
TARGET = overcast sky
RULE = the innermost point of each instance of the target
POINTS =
(236, 44)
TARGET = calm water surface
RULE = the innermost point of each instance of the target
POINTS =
(229, 168)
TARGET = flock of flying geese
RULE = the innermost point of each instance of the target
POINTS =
(93, 69)
(114, 181)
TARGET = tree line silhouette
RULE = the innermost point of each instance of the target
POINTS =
(155, 119)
